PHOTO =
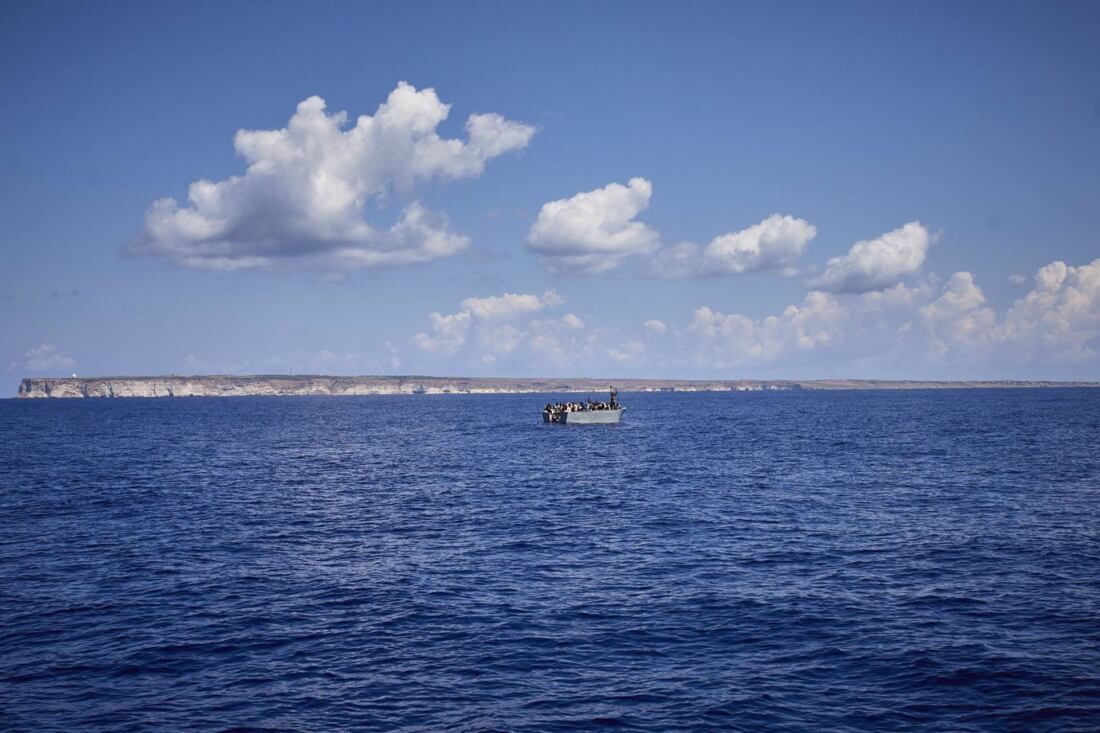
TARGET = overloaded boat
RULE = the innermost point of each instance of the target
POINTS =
(587, 412)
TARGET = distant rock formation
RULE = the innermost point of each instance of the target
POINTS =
(282, 385)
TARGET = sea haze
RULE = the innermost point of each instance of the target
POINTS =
(864, 560)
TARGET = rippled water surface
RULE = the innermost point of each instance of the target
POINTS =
(780, 561)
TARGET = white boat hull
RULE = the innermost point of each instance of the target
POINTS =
(587, 417)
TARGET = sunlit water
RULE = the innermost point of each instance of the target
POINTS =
(782, 561)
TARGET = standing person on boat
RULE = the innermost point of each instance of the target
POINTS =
(614, 394)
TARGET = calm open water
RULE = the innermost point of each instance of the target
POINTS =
(925, 560)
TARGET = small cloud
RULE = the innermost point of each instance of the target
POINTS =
(629, 353)
(773, 244)
(510, 304)
(655, 327)
(46, 360)
(877, 264)
(491, 314)
(572, 321)
(448, 332)
(1017, 279)
(594, 231)
(900, 296)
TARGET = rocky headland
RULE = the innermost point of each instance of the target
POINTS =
(284, 385)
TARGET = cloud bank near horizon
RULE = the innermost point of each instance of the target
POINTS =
(504, 330)
(927, 324)
(918, 328)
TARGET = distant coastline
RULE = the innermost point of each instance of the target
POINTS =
(319, 385)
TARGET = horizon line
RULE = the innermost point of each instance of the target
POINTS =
(543, 378)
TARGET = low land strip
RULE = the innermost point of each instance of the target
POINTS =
(304, 385)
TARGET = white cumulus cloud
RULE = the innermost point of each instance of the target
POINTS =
(572, 321)
(1057, 322)
(1060, 318)
(514, 334)
(726, 340)
(877, 264)
(449, 332)
(773, 244)
(509, 304)
(302, 197)
(925, 328)
(594, 231)
(950, 327)
(958, 320)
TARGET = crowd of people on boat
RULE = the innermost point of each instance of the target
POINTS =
(555, 409)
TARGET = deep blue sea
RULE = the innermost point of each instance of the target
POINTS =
(787, 561)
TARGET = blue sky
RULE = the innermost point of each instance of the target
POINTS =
(651, 190)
